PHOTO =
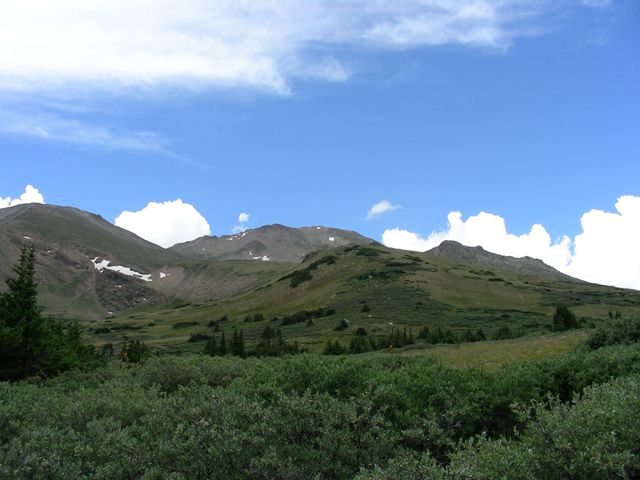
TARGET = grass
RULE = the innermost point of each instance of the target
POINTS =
(406, 290)
(490, 355)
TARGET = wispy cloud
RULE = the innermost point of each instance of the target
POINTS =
(51, 127)
(122, 44)
(380, 208)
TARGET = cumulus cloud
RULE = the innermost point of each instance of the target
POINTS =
(380, 208)
(242, 218)
(115, 44)
(607, 252)
(30, 195)
(165, 224)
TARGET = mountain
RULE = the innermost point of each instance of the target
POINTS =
(113, 280)
(87, 267)
(478, 256)
(270, 243)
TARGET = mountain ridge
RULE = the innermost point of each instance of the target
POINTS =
(273, 242)
(480, 257)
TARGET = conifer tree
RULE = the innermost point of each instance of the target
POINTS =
(29, 343)
(222, 348)
(211, 347)
(21, 323)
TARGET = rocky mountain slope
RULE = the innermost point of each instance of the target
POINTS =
(87, 267)
(270, 243)
(479, 257)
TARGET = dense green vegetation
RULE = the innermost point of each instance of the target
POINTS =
(272, 411)
(372, 416)
(31, 344)
(377, 289)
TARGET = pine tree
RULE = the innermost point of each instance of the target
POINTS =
(211, 347)
(222, 348)
(236, 345)
(21, 323)
(30, 344)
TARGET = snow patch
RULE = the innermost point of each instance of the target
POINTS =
(318, 228)
(332, 239)
(264, 258)
(162, 274)
(104, 264)
(28, 238)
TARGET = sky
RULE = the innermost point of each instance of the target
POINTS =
(509, 124)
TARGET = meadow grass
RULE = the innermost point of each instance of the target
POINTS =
(492, 354)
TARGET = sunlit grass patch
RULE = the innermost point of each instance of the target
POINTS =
(490, 355)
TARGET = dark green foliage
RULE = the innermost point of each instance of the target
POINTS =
(468, 337)
(369, 252)
(615, 331)
(396, 339)
(503, 333)
(304, 316)
(134, 352)
(272, 344)
(438, 335)
(222, 346)
(180, 325)
(247, 319)
(199, 337)
(342, 326)
(365, 308)
(361, 332)
(30, 344)
(564, 319)
(360, 344)
(333, 348)
(258, 317)
(373, 416)
(100, 330)
(211, 347)
(236, 345)
(304, 275)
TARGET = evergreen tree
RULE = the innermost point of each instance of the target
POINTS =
(236, 345)
(29, 343)
(211, 347)
(222, 348)
(564, 319)
(21, 323)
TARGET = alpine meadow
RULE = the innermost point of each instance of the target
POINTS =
(359, 362)
(319, 240)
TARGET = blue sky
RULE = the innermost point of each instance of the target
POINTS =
(512, 113)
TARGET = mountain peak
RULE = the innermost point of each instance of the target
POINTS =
(478, 256)
(271, 243)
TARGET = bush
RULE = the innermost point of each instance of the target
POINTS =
(615, 331)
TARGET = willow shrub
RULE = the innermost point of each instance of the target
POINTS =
(319, 417)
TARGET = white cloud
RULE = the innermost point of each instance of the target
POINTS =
(51, 127)
(607, 252)
(380, 208)
(242, 218)
(108, 45)
(30, 195)
(165, 224)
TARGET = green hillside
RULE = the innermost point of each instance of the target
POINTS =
(373, 288)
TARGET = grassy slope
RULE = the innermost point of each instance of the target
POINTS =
(401, 290)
